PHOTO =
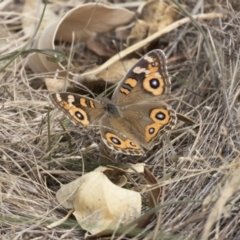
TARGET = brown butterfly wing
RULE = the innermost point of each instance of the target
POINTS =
(83, 110)
(116, 135)
(147, 79)
(139, 128)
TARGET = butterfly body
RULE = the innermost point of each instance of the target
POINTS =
(135, 118)
(112, 110)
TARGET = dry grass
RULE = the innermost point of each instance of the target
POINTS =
(200, 191)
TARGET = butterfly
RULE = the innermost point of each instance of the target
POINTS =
(137, 116)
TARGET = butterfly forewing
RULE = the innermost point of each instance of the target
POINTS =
(147, 79)
(83, 110)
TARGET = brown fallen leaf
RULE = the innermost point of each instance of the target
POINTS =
(99, 204)
(79, 24)
(154, 197)
(94, 44)
(115, 72)
(154, 15)
(56, 85)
